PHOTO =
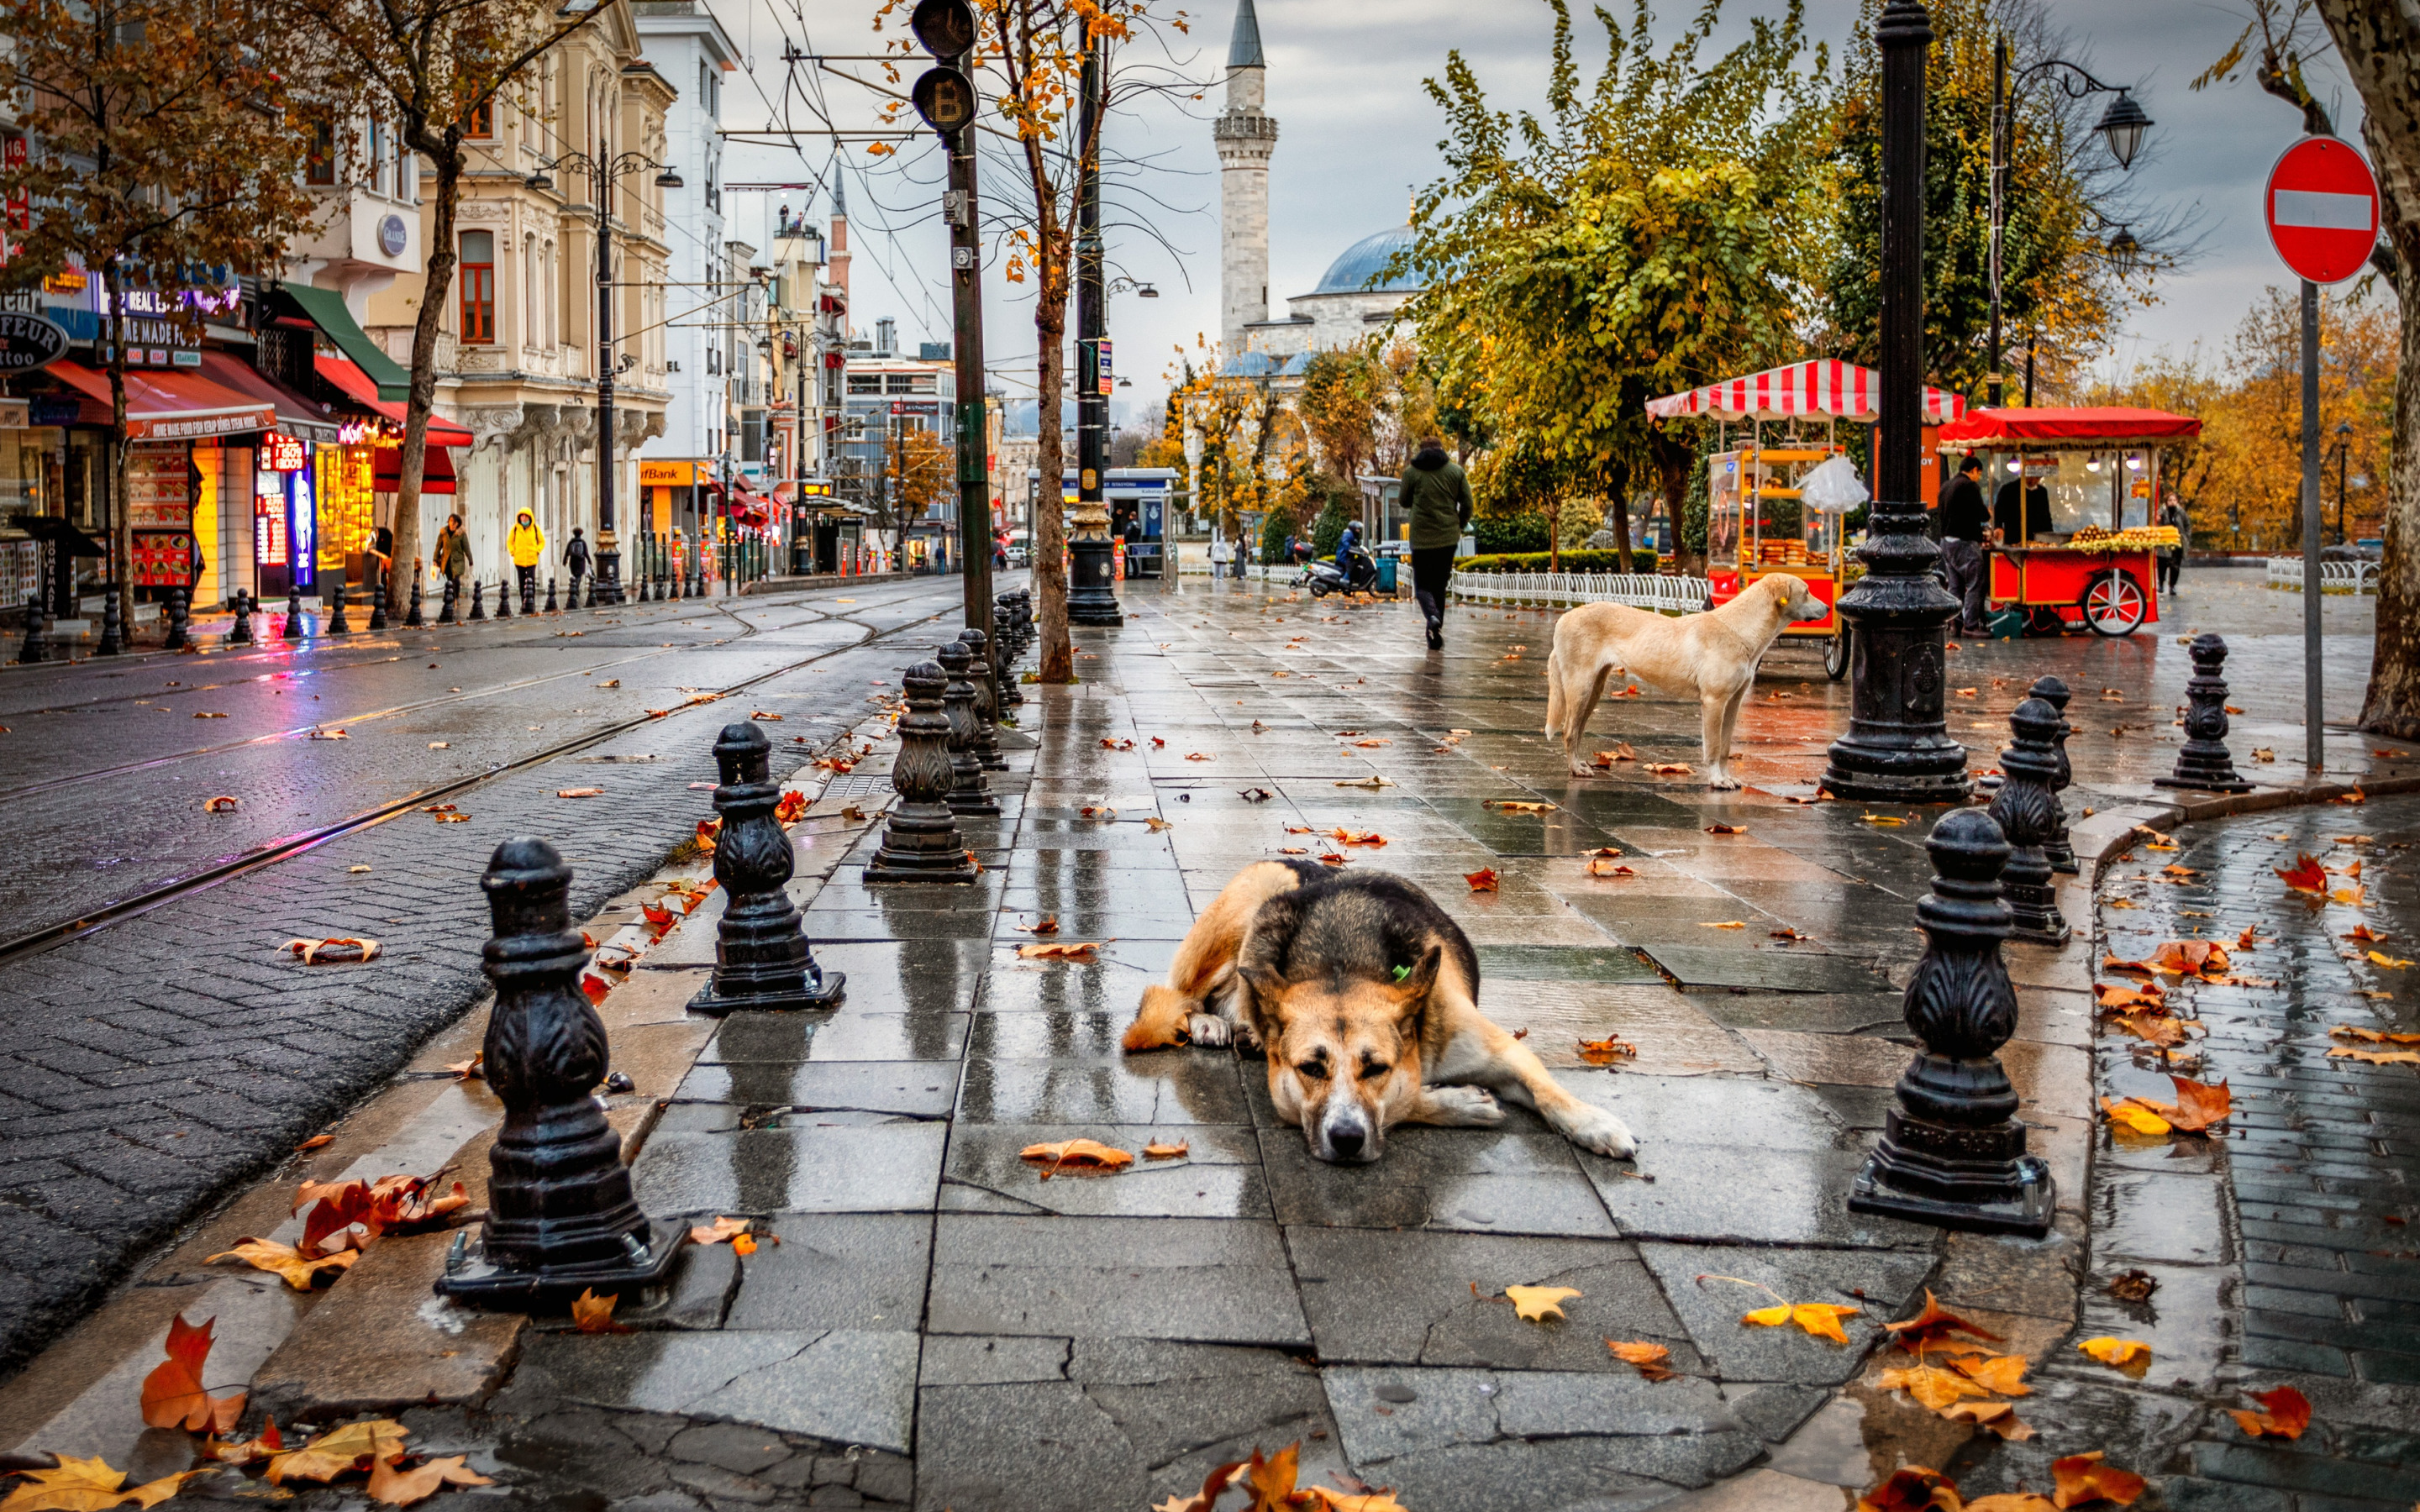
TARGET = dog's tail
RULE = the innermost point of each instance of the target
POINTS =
(1553, 692)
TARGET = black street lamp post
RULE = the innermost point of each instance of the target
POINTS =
(1092, 600)
(605, 169)
(2121, 126)
(1898, 747)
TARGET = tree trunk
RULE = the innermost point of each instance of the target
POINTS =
(1673, 459)
(1057, 660)
(1621, 528)
(121, 518)
(435, 289)
(2375, 42)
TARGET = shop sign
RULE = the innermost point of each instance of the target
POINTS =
(28, 342)
(281, 453)
(666, 474)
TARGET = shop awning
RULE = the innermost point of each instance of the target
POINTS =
(171, 405)
(297, 414)
(2106, 427)
(435, 469)
(325, 308)
(359, 387)
(1828, 390)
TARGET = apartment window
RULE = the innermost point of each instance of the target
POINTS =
(923, 383)
(866, 383)
(482, 123)
(899, 383)
(319, 165)
(376, 155)
(752, 436)
(477, 277)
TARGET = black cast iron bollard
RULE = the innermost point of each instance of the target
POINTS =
(293, 630)
(1004, 615)
(2056, 848)
(177, 615)
(551, 608)
(37, 644)
(2204, 764)
(381, 586)
(762, 957)
(592, 592)
(240, 633)
(529, 595)
(478, 602)
(503, 599)
(921, 842)
(986, 740)
(2025, 809)
(448, 612)
(969, 791)
(561, 1219)
(412, 619)
(337, 623)
(1952, 1152)
(113, 626)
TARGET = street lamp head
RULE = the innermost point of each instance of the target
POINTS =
(668, 179)
(2122, 126)
(1146, 292)
(2125, 251)
(540, 180)
(2344, 427)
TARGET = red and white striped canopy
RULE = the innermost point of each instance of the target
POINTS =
(1825, 390)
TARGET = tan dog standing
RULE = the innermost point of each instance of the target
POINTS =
(1365, 995)
(1711, 657)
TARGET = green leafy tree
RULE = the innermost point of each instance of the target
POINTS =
(1339, 405)
(162, 163)
(2059, 287)
(1650, 233)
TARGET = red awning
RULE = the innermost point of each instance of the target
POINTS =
(2068, 428)
(1822, 390)
(359, 387)
(169, 405)
(296, 412)
(436, 469)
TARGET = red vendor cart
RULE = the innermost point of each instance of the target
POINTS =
(1754, 525)
(2095, 565)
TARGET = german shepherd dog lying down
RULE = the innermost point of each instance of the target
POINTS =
(1365, 995)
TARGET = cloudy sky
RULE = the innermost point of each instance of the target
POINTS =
(1357, 132)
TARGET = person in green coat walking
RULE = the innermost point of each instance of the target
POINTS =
(1436, 496)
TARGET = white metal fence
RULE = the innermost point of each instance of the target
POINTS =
(2335, 577)
(1639, 590)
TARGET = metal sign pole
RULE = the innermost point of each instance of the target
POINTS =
(2314, 715)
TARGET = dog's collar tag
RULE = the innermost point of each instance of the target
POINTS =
(1400, 972)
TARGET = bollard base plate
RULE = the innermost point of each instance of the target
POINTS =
(826, 993)
(2212, 785)
(474, 1283)
(2026, 1210)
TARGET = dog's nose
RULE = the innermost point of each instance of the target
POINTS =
(1346, 1141)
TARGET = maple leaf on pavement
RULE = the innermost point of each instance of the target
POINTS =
(89, 1485)
(339, 1450)
(1933, 1324)
(2306, 876)
(1645, 1357)
(1821, 1319)
(592, 1314)
(2083, 1478)
(2287, 1413)
(401, 1488)
(173, 1393)
(1537, 1304)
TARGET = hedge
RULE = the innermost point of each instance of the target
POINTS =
(1571, 561)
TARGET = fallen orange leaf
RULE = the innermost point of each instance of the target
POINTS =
(220, 805)
(717, 1231)
(1537, 1303)
(2285, 1413)
(2001, 1373)
(2083, 1478)
(1055, 951)
(89, 1485)
(2198, 1106)
(1156, 1151)
(1912, 1489)
(1931, 1325)
(1668, 768)
(1046, 924)
(267, 1442)
(1606, 1051)
(285, 1261)
(2118, 995)
(401, 1488)
(2129, 1113)
(1819, 1318)
(2118, 1354)
(1483, 880)
(332, 952)
(1931, 1385)
(2000, 1420)
(1645, 1357)
(2163, 1032)
(592, 1314)
(333, 1453)
(580, 792)
(2306, 876)
(1601, 866)
(1080, 1152)
(173, 1393)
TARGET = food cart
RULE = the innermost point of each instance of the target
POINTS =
(2096, 566)
(1754, 525)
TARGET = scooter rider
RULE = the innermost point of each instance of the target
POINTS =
(1347, 545)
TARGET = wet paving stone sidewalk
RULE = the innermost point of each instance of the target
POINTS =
(942, 1326)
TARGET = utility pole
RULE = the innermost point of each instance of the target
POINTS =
(974, 432)
(1090, 597)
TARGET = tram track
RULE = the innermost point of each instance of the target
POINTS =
(285, 848)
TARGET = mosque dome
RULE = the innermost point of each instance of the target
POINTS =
(1363, 260)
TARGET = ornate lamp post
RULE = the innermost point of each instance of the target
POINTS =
(605, 169)
(1092, 600)
(1898, 747)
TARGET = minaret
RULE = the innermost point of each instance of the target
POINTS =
(839, 253)
(1246, 134)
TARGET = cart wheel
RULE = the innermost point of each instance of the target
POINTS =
(1836, 654)
(2114, 603)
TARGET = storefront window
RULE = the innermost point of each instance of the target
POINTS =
(347, 480)
(477, 278)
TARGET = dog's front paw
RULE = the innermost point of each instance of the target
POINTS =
(1582, 769)
(1595, 1129)
(1207, 1029)
(1724, 782)
(1464, 1107)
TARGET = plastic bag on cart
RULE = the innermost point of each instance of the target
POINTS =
(1833, 488)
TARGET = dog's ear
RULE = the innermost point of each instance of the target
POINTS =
(1413, 986)
(1260, 987)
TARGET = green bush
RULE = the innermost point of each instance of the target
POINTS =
(1327, 531)
(1274, 530)
(1571, 561)
(1512, 532)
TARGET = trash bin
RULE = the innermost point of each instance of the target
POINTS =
(1386, 576)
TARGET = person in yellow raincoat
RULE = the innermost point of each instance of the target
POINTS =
(527, 543)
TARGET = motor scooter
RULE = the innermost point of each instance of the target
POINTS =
(1323, 577)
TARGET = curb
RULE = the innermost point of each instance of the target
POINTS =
(2166, 817)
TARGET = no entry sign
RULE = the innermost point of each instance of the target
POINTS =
(2322, 210)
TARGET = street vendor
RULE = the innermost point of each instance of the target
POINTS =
(2035, 504)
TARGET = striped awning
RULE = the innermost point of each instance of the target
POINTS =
(1828, 390)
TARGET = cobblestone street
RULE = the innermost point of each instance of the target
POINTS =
(942, 1325)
